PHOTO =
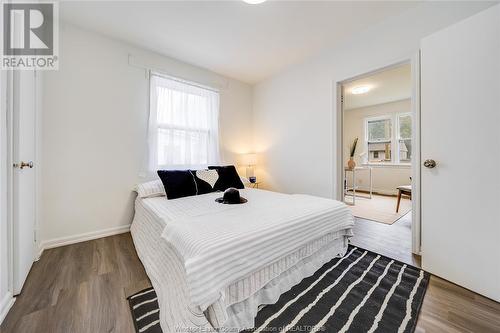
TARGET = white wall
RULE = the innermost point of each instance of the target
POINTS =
(94, 130)
(385, 178)
(295, 111)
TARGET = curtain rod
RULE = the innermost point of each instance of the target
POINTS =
(162, 73)
(181, 80)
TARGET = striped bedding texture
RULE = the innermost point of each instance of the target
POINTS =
(167, 273)
(150, 189)
(221, 246)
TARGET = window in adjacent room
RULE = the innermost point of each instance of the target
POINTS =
(404, 138)
(388, 139)
(183, 126)
(379, 135)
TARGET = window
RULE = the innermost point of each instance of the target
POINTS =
(183, 125)
(404, 138)
(379, 134)
(388, 139)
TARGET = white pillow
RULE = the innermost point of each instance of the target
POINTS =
(150, 189)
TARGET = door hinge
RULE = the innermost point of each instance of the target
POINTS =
(34, 235)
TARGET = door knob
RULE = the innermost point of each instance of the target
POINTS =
(430, 164)
(23, 165)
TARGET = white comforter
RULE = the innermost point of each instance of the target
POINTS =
(238, 303)
(228, 242)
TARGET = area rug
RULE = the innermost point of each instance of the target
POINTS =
(145, 311)
(380, 208)
(360, 292)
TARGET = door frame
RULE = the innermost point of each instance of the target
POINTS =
(7, 81)
(414, 61)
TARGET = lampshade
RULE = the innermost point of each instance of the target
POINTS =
(249, 159)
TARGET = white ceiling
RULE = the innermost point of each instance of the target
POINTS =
(232, 38)
(387, 86)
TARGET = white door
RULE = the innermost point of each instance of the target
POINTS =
(460, 130)
(23, 196)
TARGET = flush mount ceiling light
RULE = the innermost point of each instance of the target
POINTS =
(254, 2)
(360, 90)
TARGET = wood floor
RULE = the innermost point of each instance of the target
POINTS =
(83, 288)
(80, 288)
(393, 241)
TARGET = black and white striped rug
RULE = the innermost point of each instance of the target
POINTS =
(145, 311)
(361, 292)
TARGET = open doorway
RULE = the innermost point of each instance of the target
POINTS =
(378, 155)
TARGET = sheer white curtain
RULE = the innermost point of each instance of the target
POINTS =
(183, 125)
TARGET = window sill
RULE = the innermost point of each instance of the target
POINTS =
(388, 165)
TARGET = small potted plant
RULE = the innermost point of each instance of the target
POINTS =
(352, 150)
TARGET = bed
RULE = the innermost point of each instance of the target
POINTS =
(213, 266)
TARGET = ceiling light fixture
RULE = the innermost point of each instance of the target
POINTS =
(254, 2)
(360, 90)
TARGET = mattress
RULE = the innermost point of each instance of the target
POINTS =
(238, 302)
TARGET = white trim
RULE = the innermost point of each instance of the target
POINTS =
(380, 191)
(10, 179)
(5, 305)
(416, 223)
(338, 152)
(38, 159)
(68, 240)
(388, 165)
(5, 197)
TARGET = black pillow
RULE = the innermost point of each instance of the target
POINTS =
(177, 183)
(228, 177)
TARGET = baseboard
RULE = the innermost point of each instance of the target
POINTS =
(5, 305)
(377, 191)
(62, 241)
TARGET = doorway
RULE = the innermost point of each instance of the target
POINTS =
(378, 125)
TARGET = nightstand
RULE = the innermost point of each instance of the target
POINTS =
(253, 185)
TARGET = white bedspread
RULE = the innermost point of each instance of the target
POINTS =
(238, 303)
(229, 242)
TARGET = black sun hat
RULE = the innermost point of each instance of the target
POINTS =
(231, 197)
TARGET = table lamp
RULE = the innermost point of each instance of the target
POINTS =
(249, 160)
